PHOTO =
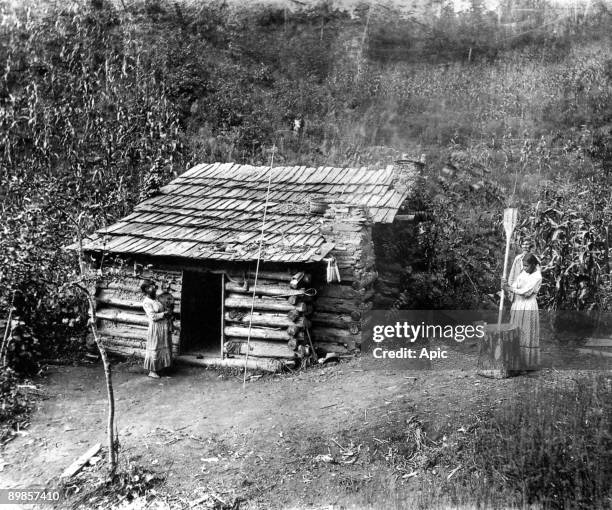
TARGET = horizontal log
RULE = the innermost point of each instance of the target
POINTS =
(128, 292)
(239, 280)
(263, 319)
(253, 363)
(126, 351)
(337, 305)
(125, 331)
(167, 272)
(299, 298)
(268, 275)
(267, 334)
(335, 320)
(118, 315)
(121, 279)
(347, 276)
(135, 289)
(336, 290)
(110, 297)
(243, 302)
(275, 275)
(114, 317)
(113, 341)
(332, 334)
(263, 290)
(261, 348)
(327, 347)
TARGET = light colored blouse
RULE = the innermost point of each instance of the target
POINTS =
(527, 285)
(153, 308)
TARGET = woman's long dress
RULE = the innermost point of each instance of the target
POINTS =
(159, 349)
(524, 314)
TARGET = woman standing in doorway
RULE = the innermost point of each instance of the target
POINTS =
(524, 312)
(159, 350)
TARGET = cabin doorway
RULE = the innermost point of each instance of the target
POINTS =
(201, 321)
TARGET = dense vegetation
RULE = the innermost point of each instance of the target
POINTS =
(102, 102)
(549, 447)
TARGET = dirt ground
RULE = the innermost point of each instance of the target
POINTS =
(330, 435)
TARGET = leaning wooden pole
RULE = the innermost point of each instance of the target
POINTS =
(510, 217)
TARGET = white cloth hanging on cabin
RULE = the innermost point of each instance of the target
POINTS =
(333, 273)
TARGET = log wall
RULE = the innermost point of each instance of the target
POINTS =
(121, 321)
(277, 325)
(340, 307)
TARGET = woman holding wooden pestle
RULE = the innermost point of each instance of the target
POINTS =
(158, 354)
(517, 264)
(524, 312)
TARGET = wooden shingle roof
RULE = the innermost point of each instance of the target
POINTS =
(215, 211)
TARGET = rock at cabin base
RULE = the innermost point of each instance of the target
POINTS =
(500, 351)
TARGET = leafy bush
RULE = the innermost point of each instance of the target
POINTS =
(23, 350)
(15, 403)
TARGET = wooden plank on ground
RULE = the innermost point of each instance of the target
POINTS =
(78, 464)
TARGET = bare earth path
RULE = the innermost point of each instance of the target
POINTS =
(265, 444)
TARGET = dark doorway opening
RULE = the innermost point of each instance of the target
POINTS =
(201, 322)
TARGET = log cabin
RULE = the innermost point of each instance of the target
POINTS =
(201, 237)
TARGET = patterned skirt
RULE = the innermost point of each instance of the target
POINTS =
(159, 348)
(525, 315)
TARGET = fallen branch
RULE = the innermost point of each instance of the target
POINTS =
(78, 464)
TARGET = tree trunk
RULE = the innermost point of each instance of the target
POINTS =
(112, 449)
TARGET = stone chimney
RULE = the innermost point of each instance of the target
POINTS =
(407, 169)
